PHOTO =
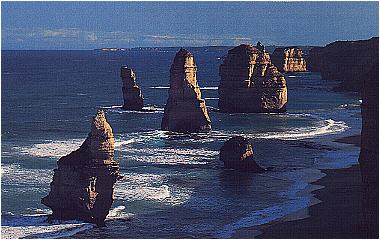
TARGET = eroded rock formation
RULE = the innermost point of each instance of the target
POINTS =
(133, 98)
(237, 153)
(250, 82)
(83, 184)
(289, 59)
(346, 61)
(185, 110)
(369, 152)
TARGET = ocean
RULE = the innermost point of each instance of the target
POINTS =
(174, 185)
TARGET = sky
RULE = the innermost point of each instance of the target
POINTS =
(89, 25)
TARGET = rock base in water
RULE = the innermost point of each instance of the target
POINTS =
(83, 184)
(237, 153)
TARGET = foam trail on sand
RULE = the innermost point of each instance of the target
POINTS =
(36, 226)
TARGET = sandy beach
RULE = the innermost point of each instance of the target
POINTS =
(337, 216)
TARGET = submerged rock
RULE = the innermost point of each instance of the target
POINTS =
(185, 110)
(83, 184)
(249, 82)
(345, 61)
(289, 59)
(133, 98)
(237, 153)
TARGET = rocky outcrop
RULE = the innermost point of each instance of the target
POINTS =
(237, 153)
(249, 82)
(185, 110)
(345, 61)
(369, 152)
(133, 99)
(289, 59)
(83, 184)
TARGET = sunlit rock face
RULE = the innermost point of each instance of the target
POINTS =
(289, 59)
(249, 82)
(83, 184)
(185, 110)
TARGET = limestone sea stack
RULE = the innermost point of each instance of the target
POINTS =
(345, 61)
(237, 153)
(249, 82)
(185, 110)
(83, 184)
(133, 98)
(289, 59)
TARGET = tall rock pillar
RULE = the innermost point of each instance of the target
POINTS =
(185, 110)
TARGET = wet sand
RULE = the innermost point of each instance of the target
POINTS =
(354, 140)
(337, 216)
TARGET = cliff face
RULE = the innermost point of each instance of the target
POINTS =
(369, 152)
(185, 110)
(82, 186)
(250, 82)
(346, 61)
(133, 99)
(289, 59)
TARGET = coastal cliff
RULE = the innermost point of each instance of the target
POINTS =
(346, 61)
(289, 59)
(185, 110)
(369, 151)
(83, 184)
(133, 99)
(249, 82)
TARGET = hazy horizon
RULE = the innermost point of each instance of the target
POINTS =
(92, 25)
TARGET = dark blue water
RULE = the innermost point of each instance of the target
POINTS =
(174, 184)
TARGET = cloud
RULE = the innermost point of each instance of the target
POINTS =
(92, 37)
(75, 38)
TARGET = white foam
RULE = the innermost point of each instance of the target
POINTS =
(208, 88)
(18, 176)
(37, 227)
(50, 148)
(59, 148)
(171, 156)
(112, 107)
(329, 127)
(149, 187)
(160, 87)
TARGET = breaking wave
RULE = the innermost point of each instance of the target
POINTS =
(149, 187)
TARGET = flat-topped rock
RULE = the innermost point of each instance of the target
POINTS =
(249, 82)
(83, 184)
(133, 98)
(289, 59)
(185, 110)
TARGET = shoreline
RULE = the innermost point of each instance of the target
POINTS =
(338, 215)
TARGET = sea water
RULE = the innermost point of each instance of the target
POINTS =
(174, 184)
